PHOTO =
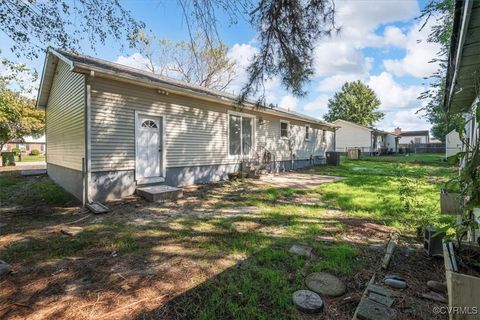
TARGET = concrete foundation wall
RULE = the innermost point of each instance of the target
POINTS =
(69, 179)
(114, 185)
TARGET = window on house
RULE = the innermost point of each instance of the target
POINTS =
(149, 124)
(283, 129)
(324, 136)
(240, 135)
(307, 132)
(418, 140)
(42, 147)
(27, 147)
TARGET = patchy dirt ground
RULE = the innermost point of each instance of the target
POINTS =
(164, 261)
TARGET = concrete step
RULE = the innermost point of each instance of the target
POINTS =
(33, 172)
(159, 193)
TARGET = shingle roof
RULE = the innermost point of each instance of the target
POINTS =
(414, 133)
(92, 63)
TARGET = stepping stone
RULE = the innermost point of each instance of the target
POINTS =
(301, 250)
(385, 300)
(395, 283)
(371, 310)
(395, 277)
(437, 286)
(4, 268)
(379, 289)
(307, 301)
(434, 296)
(326, 284)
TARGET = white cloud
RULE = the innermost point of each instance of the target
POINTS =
(289, 102)
(332, 58)
(135, 60)
(242, 55)
(342, 53)
(393, 95)
(335, 82)
(394, 36)
(319, 104)
(418, 56)
(409, 120)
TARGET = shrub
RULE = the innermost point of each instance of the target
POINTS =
(16, 151)
(34, 152)
(8, 158)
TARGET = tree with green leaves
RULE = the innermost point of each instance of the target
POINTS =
(35, 25)
(191, 61)
(442, 11)
(356, 102)
(287, 30)
(18, 117)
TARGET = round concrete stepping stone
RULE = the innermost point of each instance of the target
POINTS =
(326, 284)
(307, 301)
(437, 286)
(4, 268)
(395, 283)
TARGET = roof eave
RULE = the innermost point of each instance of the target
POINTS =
(87, 69)
(461, 24)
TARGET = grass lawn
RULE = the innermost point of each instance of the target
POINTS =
(222, 251)
(401, 191)
(39, 158)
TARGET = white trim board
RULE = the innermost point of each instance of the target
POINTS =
(254, 134)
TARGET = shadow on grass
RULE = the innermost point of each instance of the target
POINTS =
(233, 267)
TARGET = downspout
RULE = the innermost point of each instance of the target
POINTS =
(335, 139)
(87, 162)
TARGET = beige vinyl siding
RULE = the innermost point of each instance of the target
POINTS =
(196, 131)
(269, 135)
(353, 136)
(65, 116)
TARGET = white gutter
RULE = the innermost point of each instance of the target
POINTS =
(463, 30)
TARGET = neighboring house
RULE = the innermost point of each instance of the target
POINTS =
(111, 128)
(27, 145)
(412, 137)
(368, 140)
(453, 144)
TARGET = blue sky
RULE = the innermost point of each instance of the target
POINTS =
(380, 44)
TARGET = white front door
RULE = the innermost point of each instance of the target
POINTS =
(149, 149)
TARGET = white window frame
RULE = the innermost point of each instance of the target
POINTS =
(254, 132)
(307, 132)
(324, 136)
(288, 129)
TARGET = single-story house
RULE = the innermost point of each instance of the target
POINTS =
(412, 137)
(28, 144)
(368, 140)
(453, 143)
(111, 128)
